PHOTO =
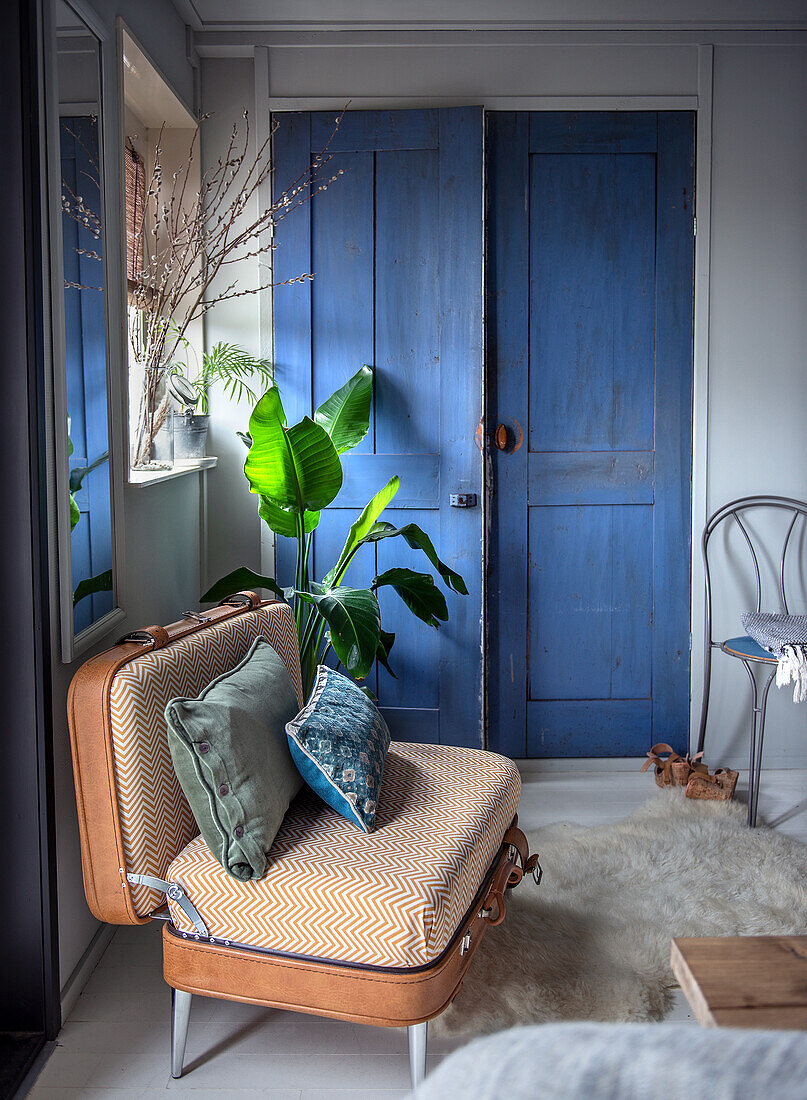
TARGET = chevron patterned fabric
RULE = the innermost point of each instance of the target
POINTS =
(156, 820)
(393, 897)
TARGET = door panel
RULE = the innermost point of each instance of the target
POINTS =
(85, 369)
(590, 352)
(343, 262)
(591, 575)
(607, 727)
(592, 253)
(396, 245)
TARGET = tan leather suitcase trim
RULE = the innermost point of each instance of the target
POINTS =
(102, 852)
(388, 998)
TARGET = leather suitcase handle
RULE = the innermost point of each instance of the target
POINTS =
(157, 636)
(240, 599)
(496, 894)
(520, 848)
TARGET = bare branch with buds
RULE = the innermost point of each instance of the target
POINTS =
(188, 235)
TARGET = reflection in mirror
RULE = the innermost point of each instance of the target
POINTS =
(83, 231)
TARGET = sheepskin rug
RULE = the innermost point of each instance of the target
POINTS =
(593, 941)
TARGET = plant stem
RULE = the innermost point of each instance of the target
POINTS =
(299, 605)
(307, 653)
(337, 580)
(309, 649)
(308, 635)
(316, 659)
(305, 562)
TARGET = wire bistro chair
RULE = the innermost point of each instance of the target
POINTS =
(744, 648)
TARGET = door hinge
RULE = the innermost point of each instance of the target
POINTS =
(690, 643)
(694, 227)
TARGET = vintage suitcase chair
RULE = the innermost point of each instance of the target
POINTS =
(375, 928)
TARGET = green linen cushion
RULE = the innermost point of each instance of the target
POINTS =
(232, 758)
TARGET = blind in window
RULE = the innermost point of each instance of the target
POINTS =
(135, 185)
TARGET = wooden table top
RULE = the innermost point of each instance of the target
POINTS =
(744, 981)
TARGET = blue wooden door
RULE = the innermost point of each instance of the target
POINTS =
(590, 356)
(85, 364)
(396, 245)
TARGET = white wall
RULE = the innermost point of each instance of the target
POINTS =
(478, 71)
(234, 530)
(750, 391)
(758, 333)
(160, 576)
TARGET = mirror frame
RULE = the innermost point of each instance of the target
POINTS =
(72, 645)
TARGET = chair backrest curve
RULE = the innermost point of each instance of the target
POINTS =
(736, 512)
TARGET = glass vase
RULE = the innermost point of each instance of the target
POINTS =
(152, 429)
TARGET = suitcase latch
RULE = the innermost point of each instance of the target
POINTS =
(465, 945)
(175, 892)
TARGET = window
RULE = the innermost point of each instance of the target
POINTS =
(158, 133)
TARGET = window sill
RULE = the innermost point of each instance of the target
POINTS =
(142, 478)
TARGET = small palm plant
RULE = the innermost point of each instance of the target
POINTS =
(225, 363)
(297, 472)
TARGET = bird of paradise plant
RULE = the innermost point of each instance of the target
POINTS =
(296, 472)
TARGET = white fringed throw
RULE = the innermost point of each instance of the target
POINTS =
(785, 636)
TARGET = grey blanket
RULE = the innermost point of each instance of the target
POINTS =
(785, 636)
(588, 1061)
(773, 632)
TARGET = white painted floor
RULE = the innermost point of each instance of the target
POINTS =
(116, 1042)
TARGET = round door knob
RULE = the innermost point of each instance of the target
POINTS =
(501, 437)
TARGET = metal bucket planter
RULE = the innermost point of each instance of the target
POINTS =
(190, 436)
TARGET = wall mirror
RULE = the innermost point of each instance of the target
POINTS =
(81, 334)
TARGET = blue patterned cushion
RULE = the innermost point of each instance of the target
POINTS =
(338, 742)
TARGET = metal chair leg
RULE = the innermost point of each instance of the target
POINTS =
(760, 736)
(752, 749)
(758, 711)
(180, 1018)
(707, 685)
(418, 1040)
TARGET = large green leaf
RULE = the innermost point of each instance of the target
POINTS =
(418, 591)
(354, 618)
(385, 644)
(283, 521)
(419, 540)
(345, 416)
(361, 528)
(280, 520)
(296, 467)
(101, 582)
(78, 473)
(240, 580)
